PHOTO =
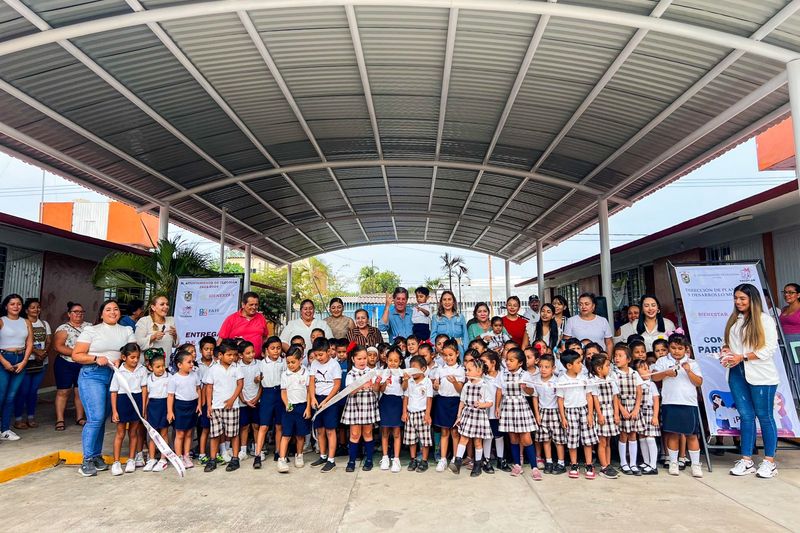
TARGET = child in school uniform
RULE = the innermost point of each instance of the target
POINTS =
(183, 404)
(390, 406)
(606, 406)
(361, 410)
(576, 411)
(516, 416)
(207, 346)
(421, 315)
(250, 370)
(545, 408)
(270, 406)
(448, 382)
(650, 410)
(412, 349)
(296, 397)
(630, 401)
(122, 409)
(417, 405)
(494, 380)
(224, 384)
(325, 382)
(473, 418)
(155, 405)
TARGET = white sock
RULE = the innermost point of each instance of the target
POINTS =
(243, 448)
(500, 447)
(694, 455)
(487, 445)
(645, 451)
(652, 450)
(461, 450)
(325, 456)
(561, 462)
(673, 455)
(633, 448)
(623, 457)
(478, 454)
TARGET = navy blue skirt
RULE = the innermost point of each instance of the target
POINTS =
(682, 419)
(125, 407)
(391, 410)
(185, 412)
(157, 412)
(270, 407)
(445, 411)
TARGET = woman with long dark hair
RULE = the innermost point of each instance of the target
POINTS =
(449, 321)
(337, 321)
(652, 323)
(16, 346)
(545, 329)
(514, 322)
(28, 393)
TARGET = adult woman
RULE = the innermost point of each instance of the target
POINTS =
(652, 325)
(513, 321)
(304, 325)
(751, 344)
(362, 333)
(481, 321)
(65, 369)
(96, 348)
(449, 321)
(16, 346)
(629, 328)
(338, 323)
(587, 325)
(545, 329)
(156, 329)
(562, 312)
(790, 318)
(28, 393)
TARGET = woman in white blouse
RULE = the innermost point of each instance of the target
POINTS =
(98, 347)
(751, 345)
(157, 329)
(652, 324)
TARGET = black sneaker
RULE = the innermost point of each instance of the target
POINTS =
(455, 465)
(548, 468)
(351, 467)
(476, 469)
(367, 466)
(232, 465)
(275, 457)
(559, 469)
(257, 462)
(328, 466)
(422, 466)
(487, 466)
(210, 466)
(503, 465)
(319, 462)
(412, 465)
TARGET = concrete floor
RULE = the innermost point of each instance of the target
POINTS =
(58, 499)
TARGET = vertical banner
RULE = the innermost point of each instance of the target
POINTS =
(707, 294)
(201, 305)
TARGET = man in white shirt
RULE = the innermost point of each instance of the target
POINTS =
(532, 312)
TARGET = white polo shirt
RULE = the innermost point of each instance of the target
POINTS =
(493, 383)
(395, 387)
(446, 388)
(184, 387)
(649, 392)
(157, 386)
(250, 375)
(418, 393)
(324, 376)
(678, 390)
(296, 385)
(486, 394)
(225, 381)
(135, 380)
(608, 379)
(571, 390)
(271, 372)
(546, 391)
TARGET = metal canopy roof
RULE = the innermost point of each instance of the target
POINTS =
(321, 125)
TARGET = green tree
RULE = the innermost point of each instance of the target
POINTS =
(230, 268)
(372, 280)
(432, 284)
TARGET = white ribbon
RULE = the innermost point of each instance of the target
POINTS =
(593, 381)
(166, 451)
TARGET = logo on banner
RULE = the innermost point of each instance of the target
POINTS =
(187, 296)
(746, 275)
(685, 277)
(186, 311)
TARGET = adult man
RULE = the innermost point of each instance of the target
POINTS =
(532, 312)
(396, 319)
(135, 312)
(246, 323)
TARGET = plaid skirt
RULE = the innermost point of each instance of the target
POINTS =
(578, 430)
(631, 425)
(516, 415)
(550, 430)
(474, 423)
(647, 417)
(361, 408)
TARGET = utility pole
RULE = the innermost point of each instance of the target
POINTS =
(491, 294)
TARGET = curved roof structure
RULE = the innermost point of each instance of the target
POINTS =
(316, 125)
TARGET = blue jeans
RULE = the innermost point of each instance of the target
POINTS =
(754, 401)
(28, 394)
(9, 384)
(93, 385)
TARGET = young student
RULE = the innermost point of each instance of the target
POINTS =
(183, 404)
(316, 333)
(412, 349)
(473, 418)
(417, 405)
(361, 410)
(250, 369)
(576, 411)
(122, 410)
(383, 350)
(448, 382)
(421, 316)
(325, 378)
(296, 397)
(270, 407)
(606, 405)
(660, 348)
(207, 346)
(342, 431)
(426, 352)
(224, 384)
(592, 349)
(545, 409)
(373, 358)
(680, 376)
(478, 345)
(496, 337)
(494, 380)
(650, 411)
(630, 402)
(438, 357)
(638, 350)
(390, 406)
(154, 398)
(516, 416)
(402, 345)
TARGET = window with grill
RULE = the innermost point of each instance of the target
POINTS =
(570, 292)
(627, 286)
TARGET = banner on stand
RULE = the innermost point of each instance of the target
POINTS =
(201, 305)
(707, 294)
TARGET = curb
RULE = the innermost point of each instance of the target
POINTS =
(47, 461)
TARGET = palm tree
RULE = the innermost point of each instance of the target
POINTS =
(158, 271)
(461, 270)
(452, 264)
(432, 284)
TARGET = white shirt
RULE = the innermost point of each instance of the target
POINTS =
(298, 327)
(574, 395)
(486, 393)
(250, 374)
(531, 315)
(596, 330)
(637, 379)
(626, 330)
(296, 385)
(225, 381)
(324, 376)
(762, 370)
(135, 379)
(105, 340)
(394, 388)
(202, 371)
(271, 372)
(418, 393)
(14, 333)
(418, 317)
(494, 341)
(157, 386)
(493, 383)
(145, 327)
(546, 392)
(446, 388)
(608, 379)
(678, 390)
(184, 387)
(649, 391)
(651, 336)
(72, 336)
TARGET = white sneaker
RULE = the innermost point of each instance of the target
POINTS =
(697, 470)
(242, 455)
(673, 468)
(298, 461)
(9, 435)
(385, 462)
(743, 467)
(441, 466)
(187, 462)
(395, 465)
(130, 466)
(283, 465)
(116, 469)
(767, 470)
(148, 466)
(139, 460)
(161, 465)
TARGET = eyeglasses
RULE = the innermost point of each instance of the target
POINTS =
(789, 292)
(77, 312)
